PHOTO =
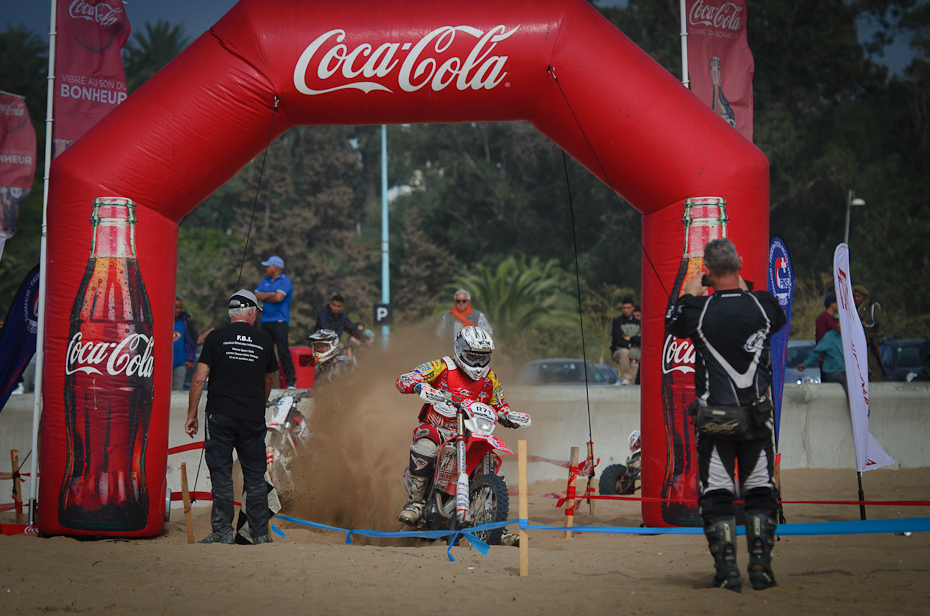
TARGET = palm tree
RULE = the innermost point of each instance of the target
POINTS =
(519, 295)
(149, 52)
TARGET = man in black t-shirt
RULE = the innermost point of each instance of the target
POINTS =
(731, 331)
(240, 361)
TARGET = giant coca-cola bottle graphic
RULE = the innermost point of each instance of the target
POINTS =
(719, 103)
(705, 219)
(108, 382)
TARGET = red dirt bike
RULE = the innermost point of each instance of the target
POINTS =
(466, 489)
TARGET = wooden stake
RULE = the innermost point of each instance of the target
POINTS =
(570, 503)
(524, 509)
(186, 497)
(591, 509)
(17, 488)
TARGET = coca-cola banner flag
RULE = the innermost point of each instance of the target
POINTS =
(17, 160)
(720, 65)
(869, 454)
(18, 339)
(781, 283)
(89, 77)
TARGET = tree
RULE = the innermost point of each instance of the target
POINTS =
(149, 51)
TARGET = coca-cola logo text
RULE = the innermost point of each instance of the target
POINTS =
(103, 14)
(677, 355)
(17, 108)
(726, 16)
(423, 66)
(127, 356)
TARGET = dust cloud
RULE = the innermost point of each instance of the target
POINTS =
(350, 473)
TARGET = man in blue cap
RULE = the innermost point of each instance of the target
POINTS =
(275, 291)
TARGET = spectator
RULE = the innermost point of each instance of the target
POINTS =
(826, 322)
(638, 313)
(873, 322)
(184, 351)
(625, 346)
(275, 292)
(460, 316)
(830, 348)
(239, 360)
(333, 318)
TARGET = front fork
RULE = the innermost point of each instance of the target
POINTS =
(461, 486)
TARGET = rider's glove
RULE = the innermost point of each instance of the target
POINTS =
(507, 424)
(430, 394)
(417, 387)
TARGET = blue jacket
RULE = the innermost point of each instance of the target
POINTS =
(338, 323)
(830, 348)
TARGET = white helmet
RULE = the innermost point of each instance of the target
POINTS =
(325, 344)
(472, 351)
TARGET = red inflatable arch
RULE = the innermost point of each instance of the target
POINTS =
(202, 118)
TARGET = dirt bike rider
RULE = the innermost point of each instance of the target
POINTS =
(466, 375)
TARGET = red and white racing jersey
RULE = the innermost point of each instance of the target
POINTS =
(444, 374)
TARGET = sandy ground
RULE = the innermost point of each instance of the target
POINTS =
(351, 478)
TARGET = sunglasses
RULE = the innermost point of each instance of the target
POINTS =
(462, 301)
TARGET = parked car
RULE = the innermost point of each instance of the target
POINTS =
(560, 371)
(901, 359)
(610, 373)
(798, 351)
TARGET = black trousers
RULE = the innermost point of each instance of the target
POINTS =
(278, 331)
(224, 433)
(717, 460)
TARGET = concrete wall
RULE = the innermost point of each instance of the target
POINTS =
(816, 431)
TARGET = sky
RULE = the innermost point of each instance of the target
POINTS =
(197, 16)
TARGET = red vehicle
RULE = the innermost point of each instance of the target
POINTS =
(466, 490)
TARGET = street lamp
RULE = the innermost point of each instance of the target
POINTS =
(851, 201)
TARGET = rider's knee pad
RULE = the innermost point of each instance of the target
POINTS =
(421, 465)
(762, 500)
(716, 505)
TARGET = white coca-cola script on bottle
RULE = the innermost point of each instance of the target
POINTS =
(677, 355)
(725, 16)
(423, 65)
(117, 357)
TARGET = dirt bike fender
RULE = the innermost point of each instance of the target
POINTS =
(491, 440)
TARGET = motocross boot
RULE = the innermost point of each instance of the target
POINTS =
(721, 537)
(760, 535)
(413, 510)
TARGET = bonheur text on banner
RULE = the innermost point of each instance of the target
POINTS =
(720, 65)
(17, 160)
(89, 77)
(869, 454)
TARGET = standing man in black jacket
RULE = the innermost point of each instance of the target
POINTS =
(625, 342)
(731, 331)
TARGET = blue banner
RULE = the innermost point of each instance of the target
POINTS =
(781, 284)
(18, 340)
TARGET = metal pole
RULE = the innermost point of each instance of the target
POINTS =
(861, 496)
(385, 252)
(43, 262)
(685, 80)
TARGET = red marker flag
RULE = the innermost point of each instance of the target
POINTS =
(720, 64)
(89, 77)
(17, 160)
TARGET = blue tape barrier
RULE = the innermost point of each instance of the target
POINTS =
(278, 531)
(854, 527)
(476, 543)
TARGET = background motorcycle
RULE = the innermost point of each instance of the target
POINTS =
(619, 478)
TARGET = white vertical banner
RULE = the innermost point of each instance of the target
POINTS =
(869, 454)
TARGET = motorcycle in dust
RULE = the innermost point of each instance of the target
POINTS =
(330, 361)
(287, 428)
(619, 478)
(466, 489)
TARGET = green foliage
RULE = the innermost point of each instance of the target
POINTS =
(149, 50)
(518, 296)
